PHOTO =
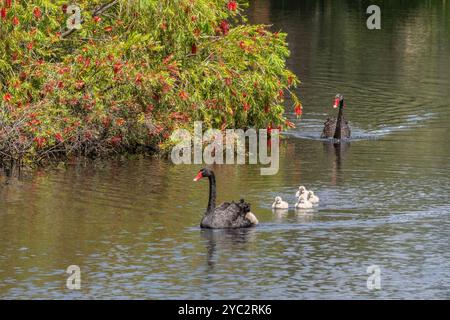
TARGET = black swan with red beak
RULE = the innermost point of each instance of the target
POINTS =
(227, 215)
(337, 128)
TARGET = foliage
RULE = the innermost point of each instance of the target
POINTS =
(134, 72)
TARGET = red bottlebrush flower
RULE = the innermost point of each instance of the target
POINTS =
(149, 108)
(30, 46)
(79, 85)
(37, 13)
(280, 94)
(115, 140)
(232, 5)
(60, 85)
(183, 95)
(3, 13)
(97, 19)
(261, 31)
(7, 97)
(64, 70)
(194, 49)
(242, 45)
(266, 109)
(64, 8)
(8, 3)
(179, 116)
(106, 121)
(40, 141)
(120, 122)
(228, 81)
(108, 29)
(290, 124)
(194, 18)
(58, 137)
(16, 21)
(87, 63)
(197, 32)
(88, 135)
(117, 67)
(167, 59)
(224, 27)
(298, 110)
(138, 78)
(290, 81)
(246, 106)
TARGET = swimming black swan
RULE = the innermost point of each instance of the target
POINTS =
(227, 215)
(337, 128)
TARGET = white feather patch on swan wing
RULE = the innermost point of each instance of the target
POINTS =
(252, 218)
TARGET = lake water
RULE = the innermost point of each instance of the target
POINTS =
(132, 225)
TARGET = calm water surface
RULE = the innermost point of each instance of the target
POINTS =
(132, 225)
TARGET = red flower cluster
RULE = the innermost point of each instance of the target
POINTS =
(298, 110)
(37, 12)
(58, 137)
(115, 140)
(232, 5)
(40, 141)
(290, 124)
(183, 95)
(79, 85)
(224, 27)
(117, 67)
(120, 122)
(194, 48)
(7, 97)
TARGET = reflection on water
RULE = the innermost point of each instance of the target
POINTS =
(132, 225)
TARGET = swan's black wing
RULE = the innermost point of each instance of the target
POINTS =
(345, 130)
(328, 128)
(228, 215)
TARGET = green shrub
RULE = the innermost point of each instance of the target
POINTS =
(133, 73)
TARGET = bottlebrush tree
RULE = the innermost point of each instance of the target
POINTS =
(135, 71)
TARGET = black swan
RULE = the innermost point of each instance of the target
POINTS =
(227, 215)
(337, 128)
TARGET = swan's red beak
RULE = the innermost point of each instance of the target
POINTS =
(336, 103)
(198, 177)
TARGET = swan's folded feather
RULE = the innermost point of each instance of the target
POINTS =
(228, 215)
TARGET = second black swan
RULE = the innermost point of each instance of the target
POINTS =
(337, 128)
(227, 215)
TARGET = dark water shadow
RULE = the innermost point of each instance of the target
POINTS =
(336, 150)
(217, 240)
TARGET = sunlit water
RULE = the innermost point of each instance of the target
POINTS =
(132, 225)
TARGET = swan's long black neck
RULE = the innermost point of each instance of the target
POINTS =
(212, 193)
(338, 131)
